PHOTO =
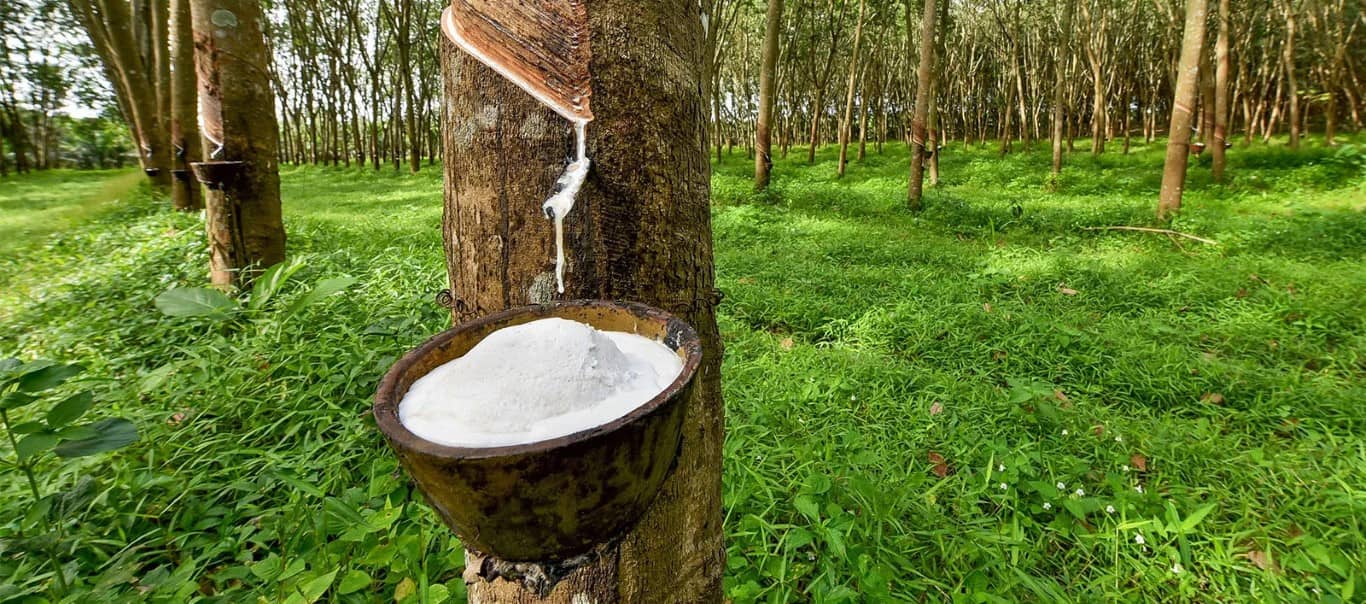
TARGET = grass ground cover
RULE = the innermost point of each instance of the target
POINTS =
(974, 403)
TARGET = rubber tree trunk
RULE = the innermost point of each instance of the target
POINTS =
(246, 232)
(1293, 91)
(846, 120)
(1179, 134)
(1059, 83)
(1221, 92)
(185, 143)
(640, 231)
(922, 106)
(763, 157)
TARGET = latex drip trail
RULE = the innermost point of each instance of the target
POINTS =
(566, 191)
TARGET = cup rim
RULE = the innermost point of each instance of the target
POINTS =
(386, 401)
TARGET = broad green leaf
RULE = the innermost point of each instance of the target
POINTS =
(77, 432)
(70, 409)
(195, 302)
(34, 444)
(383, 519)
(48, 377)
(110, 434)
(268, 568)
(15, 400)
(270, 282)
(9, 366)
(28, 428)
(1190, 521)
(353, 581)
(323, 289)
(808, 508)
(436, 594)
(312, 590)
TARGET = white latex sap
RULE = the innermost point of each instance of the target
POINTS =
(537, 381)
(566, 191)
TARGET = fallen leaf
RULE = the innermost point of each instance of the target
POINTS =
(176, 418)
(1067, 291)
(936, 408)
(1058, 394)
(1213, 398)
(986, 307)
(1099, 430)
(1139, 462)
(941, 467)
(999, 355)
(1241, 293)
(786, 343)
(1261, 560)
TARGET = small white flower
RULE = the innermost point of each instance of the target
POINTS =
(1062, 486)
(811, 557)
(1047, 506)
(1080, 493)
(853, 397)
(1124, 467)
(1139, 539)
(1064, 432)
(1139, 488)
(1109, 509)
(1003, 486)
(1001, 468)
(1119, 439)
(1176, 568)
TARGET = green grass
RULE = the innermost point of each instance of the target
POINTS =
(863, 345)
(35, 205)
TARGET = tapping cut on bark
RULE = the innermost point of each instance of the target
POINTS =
(542, 47)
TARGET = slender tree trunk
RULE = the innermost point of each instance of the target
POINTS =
(1291, 85)
(185, 143)
(1221, 101)
(922, 104)
(246, 232)
(640, 231)
(1179, 134)
(763, 156)
(1206, 100)
(1059, 83)
(846, 122)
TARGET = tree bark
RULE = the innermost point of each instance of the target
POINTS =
(185, 143)
(1059, 81)
(1221, 101)
(1179, 134)
(1293, 91)
(245, 228)
(846, 123)
(640, 231)
(763, 157)
(112, 27)
(922, 105)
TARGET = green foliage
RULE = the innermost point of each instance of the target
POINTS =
(867, 352)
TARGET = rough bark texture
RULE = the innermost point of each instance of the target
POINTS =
(1221, 104)
(922, 105)
(185, 143)
(763, 134)
(246, 232)
(1187, 84)
(640, 231)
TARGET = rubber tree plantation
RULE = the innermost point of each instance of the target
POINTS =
(596, 301)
